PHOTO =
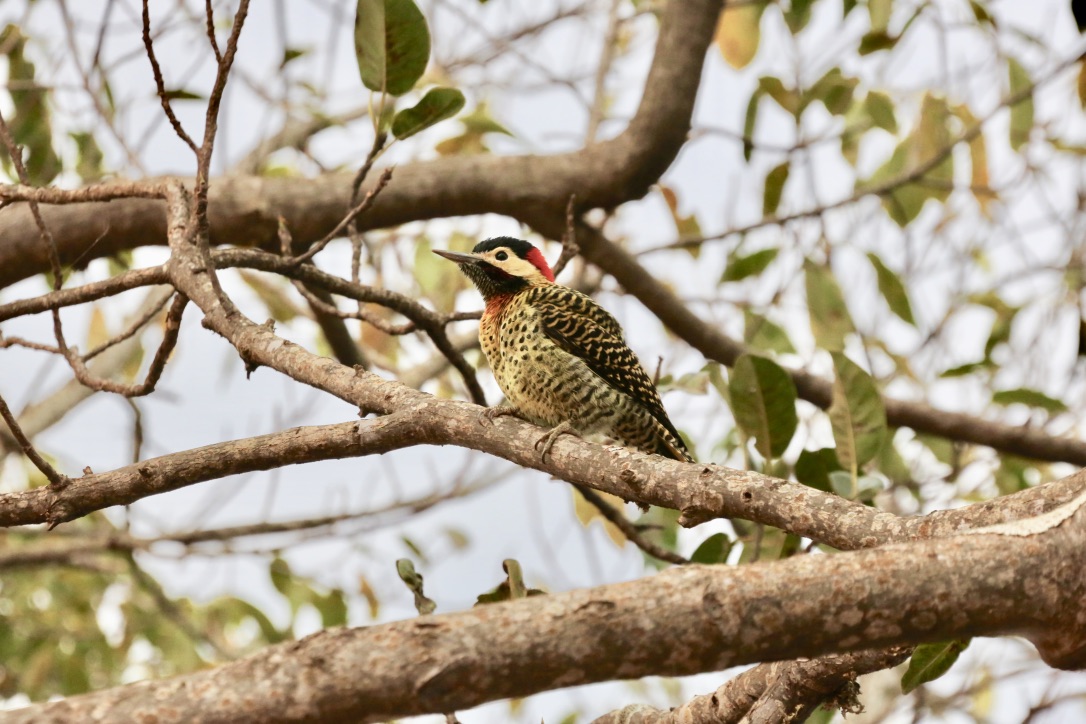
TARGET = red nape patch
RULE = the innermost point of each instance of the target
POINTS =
(536, 257)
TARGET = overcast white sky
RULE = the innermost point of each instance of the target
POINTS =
(205, 397)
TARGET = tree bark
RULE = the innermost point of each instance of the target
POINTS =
(1014, 579)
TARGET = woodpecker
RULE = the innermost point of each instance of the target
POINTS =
(559, 357)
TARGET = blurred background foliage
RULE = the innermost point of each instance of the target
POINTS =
(886, 193)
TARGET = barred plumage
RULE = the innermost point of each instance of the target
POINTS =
(559, 357)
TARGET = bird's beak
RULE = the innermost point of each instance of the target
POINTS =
(458, 257)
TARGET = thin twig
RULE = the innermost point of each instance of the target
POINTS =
(199, 219)
(211, 30)
(27, 344)
(55, 478)
(570, 249)
(96, 192)
(348, 220)
(132, 279)
(160, 84)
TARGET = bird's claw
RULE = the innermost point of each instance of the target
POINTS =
(547, 441)
(498, 411)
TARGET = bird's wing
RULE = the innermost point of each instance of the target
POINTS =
(586, 330)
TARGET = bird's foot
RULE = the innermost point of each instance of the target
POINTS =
(547, 441)
(499, 411)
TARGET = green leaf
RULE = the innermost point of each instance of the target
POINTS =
(798, 15)
(762, 334)
(856, 415)
(890, 463)
(290, 54)
(930, 661)
(738, 32)
(180, 94)
(966, 369)
(813, 468)
(892, 290)
(89, 165)
(437, 105)
(1015, 473)
(875, 41)
(880, 109)
(30, 123)
(1032, 398)
(414, 548)
(714, 549)
(786, 98)
(774, 188)
(479, 121)
(750, 265)
(332, 608)
(763, 399)
(830, 320)
(749, 121)
(981, 13)
(280, 574)
(1021, 112)
(834, 90)
(438, 280)
(405, 569)
(391, 43)
(511, 588)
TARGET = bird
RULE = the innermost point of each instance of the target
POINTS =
(559, 357)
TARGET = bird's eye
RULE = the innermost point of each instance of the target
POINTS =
(501, 256)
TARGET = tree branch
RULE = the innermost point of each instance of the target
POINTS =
(990, 583)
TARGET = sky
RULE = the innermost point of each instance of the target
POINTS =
(205, 397)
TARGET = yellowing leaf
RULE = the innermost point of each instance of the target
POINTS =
(978, 160)
(274, 293)
(926, 149)
(586, 513)
(738, 32)
(1021, 112)
(370, 595)
(97, 329)
(687, 226)
(1082, 84)
(879, 11)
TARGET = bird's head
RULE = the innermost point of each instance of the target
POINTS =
(502, 265)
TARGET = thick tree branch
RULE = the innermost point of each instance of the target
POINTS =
(768, 693)
(1017, 581)
(244, 211)
(170, 472)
